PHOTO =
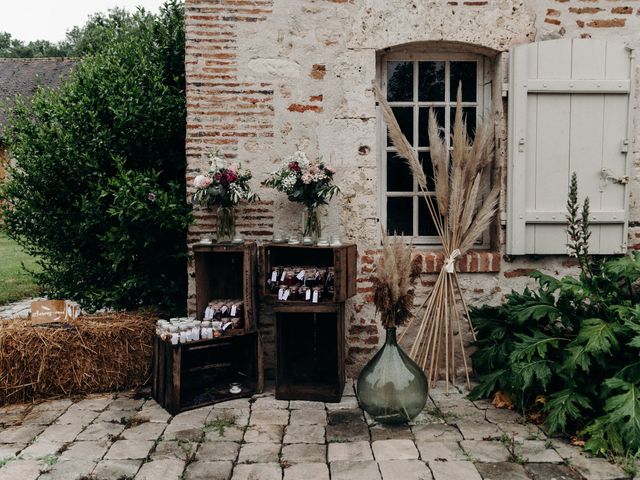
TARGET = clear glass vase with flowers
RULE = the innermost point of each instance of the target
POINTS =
(305, 181)
(223, 187)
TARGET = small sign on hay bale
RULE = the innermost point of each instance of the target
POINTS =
(80, 356)
(49, 311)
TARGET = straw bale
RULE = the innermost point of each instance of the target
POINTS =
(91, 354)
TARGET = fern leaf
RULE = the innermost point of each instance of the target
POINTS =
(563, 406)
(598, 336)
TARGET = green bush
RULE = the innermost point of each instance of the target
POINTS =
(98, 191)
(570, 347)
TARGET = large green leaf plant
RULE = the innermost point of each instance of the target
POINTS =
(571, 345)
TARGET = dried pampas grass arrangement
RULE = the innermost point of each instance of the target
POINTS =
(394, 280)
(462, 211)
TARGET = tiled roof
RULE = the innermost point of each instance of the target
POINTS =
(24, 75)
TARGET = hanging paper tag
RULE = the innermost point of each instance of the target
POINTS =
(282, 277)
(280, 293)
(307, 295)
(450, 263)
(287, 292)
(234, 310)
(224, 309)
(300, 275)
(315, 296)
(274, 276)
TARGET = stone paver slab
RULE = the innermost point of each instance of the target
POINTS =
(208, 471)
(405, 470)
(306, 405)
(40, 448)
(11, 450)
(304, 434)
(346, 426)
(126, 403)
(270, 403)
(85, 451)
(269, 417)
(116, 469)
(440, 451)
(436, 433)
(502, 471)
(165, 469)
(394, 450)
(259, 453)
(42, 417)
(61, 433)
(308, 417)
(478, 430)
(522, 432)
(454, 470)
(237, 403)
(349, 451)
(307, 471)
(537, 451)
(238, 416)
(174, 449)
(20, 469)
(255, 471)
(177, 431)
(77, 417)
(129, 449)
(218, 451)
(152, 412)
(21, 433)
(100, 431)
(69, 470)
(351, 470)
(347, 403)
(491, 451)
(264, 434)
(96, 403)
(145, 431)
(550, 471)
(194, 418)
(229, 434)
(596, 468)
(304, 453)
(390, 432)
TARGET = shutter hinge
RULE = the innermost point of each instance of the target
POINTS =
(607, 174)
(624, 145)
(505, 90)
(521, 144)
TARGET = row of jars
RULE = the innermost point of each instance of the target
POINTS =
(186, 330)
(307, 277)
(219, 309)
(301, 293)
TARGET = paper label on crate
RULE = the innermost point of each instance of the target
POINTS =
(300, 275)
(315, 296)
(280, 293)
(286, 294)
(282, 277)
(274, 276)
(224, 309)
(307, 295)
(234, 310)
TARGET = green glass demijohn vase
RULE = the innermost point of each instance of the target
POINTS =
(392, 388)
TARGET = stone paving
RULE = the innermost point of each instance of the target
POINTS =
(129, 436)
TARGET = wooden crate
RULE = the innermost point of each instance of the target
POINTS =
(195, 374)
(227, 271)
(310, 352)
(343, 259)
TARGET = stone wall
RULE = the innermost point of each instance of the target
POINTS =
(266, 75)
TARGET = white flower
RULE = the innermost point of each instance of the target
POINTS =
(216, 162)
(302, 159)
(289, 182)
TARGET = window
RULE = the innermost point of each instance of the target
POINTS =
(414, 84)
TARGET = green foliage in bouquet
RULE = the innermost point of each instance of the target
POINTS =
(571, 345)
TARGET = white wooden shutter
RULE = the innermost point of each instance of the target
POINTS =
(569, 110)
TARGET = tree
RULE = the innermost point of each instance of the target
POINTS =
(98, 191)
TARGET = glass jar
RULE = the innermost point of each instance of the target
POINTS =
(175, 334)
(184, 333)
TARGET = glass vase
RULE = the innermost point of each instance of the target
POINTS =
(226, 224)
(392, 388)
(311, 226)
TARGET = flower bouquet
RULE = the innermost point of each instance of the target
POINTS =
(225, 187)
(305, 181)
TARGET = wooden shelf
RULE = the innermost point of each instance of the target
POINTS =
(300, 306)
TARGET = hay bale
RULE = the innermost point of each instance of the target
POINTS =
(91, 354)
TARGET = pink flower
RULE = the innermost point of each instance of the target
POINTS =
(314, 169)
(329, 169)
(306, 179)
(201, 181)
(234, 167)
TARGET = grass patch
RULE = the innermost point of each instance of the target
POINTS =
(220, 424)
(15, 282)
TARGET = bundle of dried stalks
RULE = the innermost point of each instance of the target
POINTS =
(394, 280)
(462, 211)
(90, 354)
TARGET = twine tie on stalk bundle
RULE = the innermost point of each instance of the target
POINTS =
(461, 210)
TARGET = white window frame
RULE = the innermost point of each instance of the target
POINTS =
(481, 108)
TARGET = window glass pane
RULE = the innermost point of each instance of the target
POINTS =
(423, 125)
(400, 81)
(404, 116)
(400, 216)
(426, 227)
(465, 72)
(427, 168)
(431, 81)
(399, 178)
(469, 115)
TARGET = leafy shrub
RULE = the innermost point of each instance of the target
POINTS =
(98, 189)
(570, 347)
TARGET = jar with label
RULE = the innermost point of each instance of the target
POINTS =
(316, 294)
(303, 292)
(330, 282)
(175, 334)
(290, 278)
(293, 293)
(196, 330)
(274, 279)
(206, 332)
(184, 333)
